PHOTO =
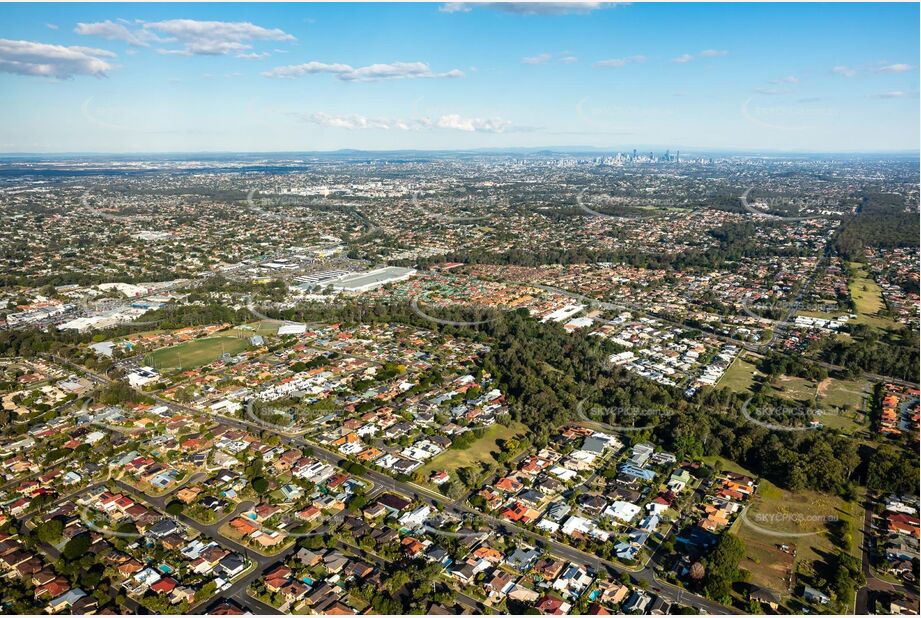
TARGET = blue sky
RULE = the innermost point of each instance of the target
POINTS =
(294, 77)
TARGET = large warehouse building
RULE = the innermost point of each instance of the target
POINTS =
(362, 282)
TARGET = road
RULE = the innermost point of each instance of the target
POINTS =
(645, 575)
(261, 561)
(51, 551)
(873, 583)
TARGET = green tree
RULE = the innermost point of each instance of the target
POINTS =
(76, 547)
(723, 567)
(50, 531)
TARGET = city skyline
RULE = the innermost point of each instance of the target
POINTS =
(142, 78)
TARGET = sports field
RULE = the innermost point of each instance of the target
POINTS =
(195, 353)
(264, 328)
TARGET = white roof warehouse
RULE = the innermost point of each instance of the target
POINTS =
(363, 282)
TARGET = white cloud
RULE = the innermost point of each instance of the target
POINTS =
(539, 59)
(308, 68)
(351, 122)
(485, 125)
(207, 38)
(58, 61)
(449, 122)
(562, 58)
(844, 71)
(51, 26)
(454, 7)
(254, 56)
(789, 79)
(212, 38)
(530, 8)
(397, 70)
(707, 53)
(895, 94)
(773, 91)
(895, 68)
(372, 72)
(620, 62)
(111, 31)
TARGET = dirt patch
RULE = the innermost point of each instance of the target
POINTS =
(769, 566)
(822, 387)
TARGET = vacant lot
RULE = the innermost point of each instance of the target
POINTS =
(479, 451)
(842, 400)
(739, 377)
(793, 388)
(770, 567)
(806, 520)
(842, 393)
(195, 353)
(868, 298)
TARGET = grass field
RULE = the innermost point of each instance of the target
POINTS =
(739, 377)
(195, 353)
(793, 388)
(479, 451)
(721, 464)
(841, 399)
(780, 514)
(868, 298)
(262, 327)
(841, 393)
